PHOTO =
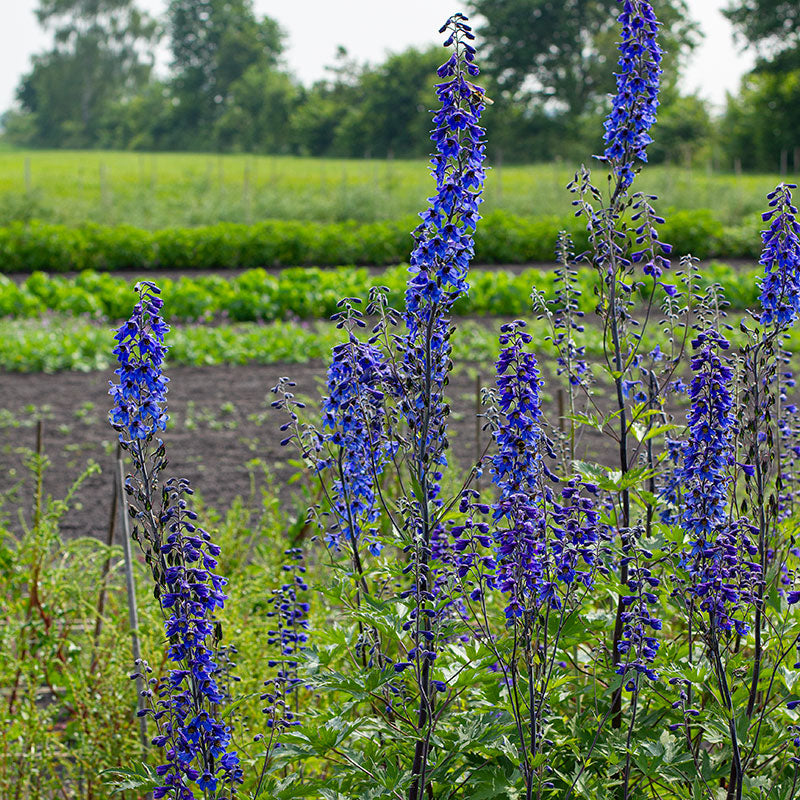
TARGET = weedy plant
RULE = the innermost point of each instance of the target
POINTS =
(562, 629)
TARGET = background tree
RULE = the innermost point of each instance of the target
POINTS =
(392, 117)
(97, 59)
(767, 26)
(558, 52)
(214, 44)
(761, 123)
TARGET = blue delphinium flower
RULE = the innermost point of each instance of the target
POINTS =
(780, 287)
(140, 396)
(638, 645)
(444, 240)
(708, 453)
(518, 520)
(195, 742)
(444, 245)
(354, 412)
(633, 111)
(719, 561)
(574, 534)
(182, 558)
(438, 265)
(545, 543)
(290, 636)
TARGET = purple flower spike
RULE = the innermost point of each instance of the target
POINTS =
(720, 560)
(516, 470)
(140, 397)
(780, 287)
(633, 111)
(354, 413)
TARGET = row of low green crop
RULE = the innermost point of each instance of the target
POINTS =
(58, 343)
(307, 293)
(501, 238)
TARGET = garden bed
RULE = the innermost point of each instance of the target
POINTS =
(219, 423)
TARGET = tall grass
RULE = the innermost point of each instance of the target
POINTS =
(155, 190)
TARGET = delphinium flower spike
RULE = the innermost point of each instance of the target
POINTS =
(139, 410)
(720, 559)
(439, 263)
(780, 286)
(633, 111)
(518, 519)
(444, 240)
(353, 420)
(638, 644)
(182, 560)
(288, 636)
(538, 545)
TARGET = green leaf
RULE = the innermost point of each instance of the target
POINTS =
(142, 778)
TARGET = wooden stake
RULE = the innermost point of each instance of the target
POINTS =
(477, 425)
(101, 600)
(133, 615)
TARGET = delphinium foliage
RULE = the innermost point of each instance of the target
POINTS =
(182, 706)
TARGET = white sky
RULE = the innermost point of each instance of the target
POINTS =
(369, 29)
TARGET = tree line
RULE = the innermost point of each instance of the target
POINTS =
(546, 64)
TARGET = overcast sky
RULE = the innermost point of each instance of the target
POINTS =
(369, 29)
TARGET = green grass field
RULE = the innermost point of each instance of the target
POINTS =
(165, 189)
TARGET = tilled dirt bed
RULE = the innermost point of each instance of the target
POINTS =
(219, 421)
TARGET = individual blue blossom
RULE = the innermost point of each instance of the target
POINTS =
(780, 286)
(139, 409)
(633, 111)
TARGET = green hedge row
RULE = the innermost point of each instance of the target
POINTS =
(306, 292)
(501, 239)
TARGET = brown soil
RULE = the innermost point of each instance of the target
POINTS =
(220, 420)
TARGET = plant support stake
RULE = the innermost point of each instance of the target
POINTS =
(130, 585)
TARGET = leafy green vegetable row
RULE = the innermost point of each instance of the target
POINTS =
(58, 343)
(502, 238)
(306, 292)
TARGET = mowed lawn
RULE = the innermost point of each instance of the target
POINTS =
(155, 190)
